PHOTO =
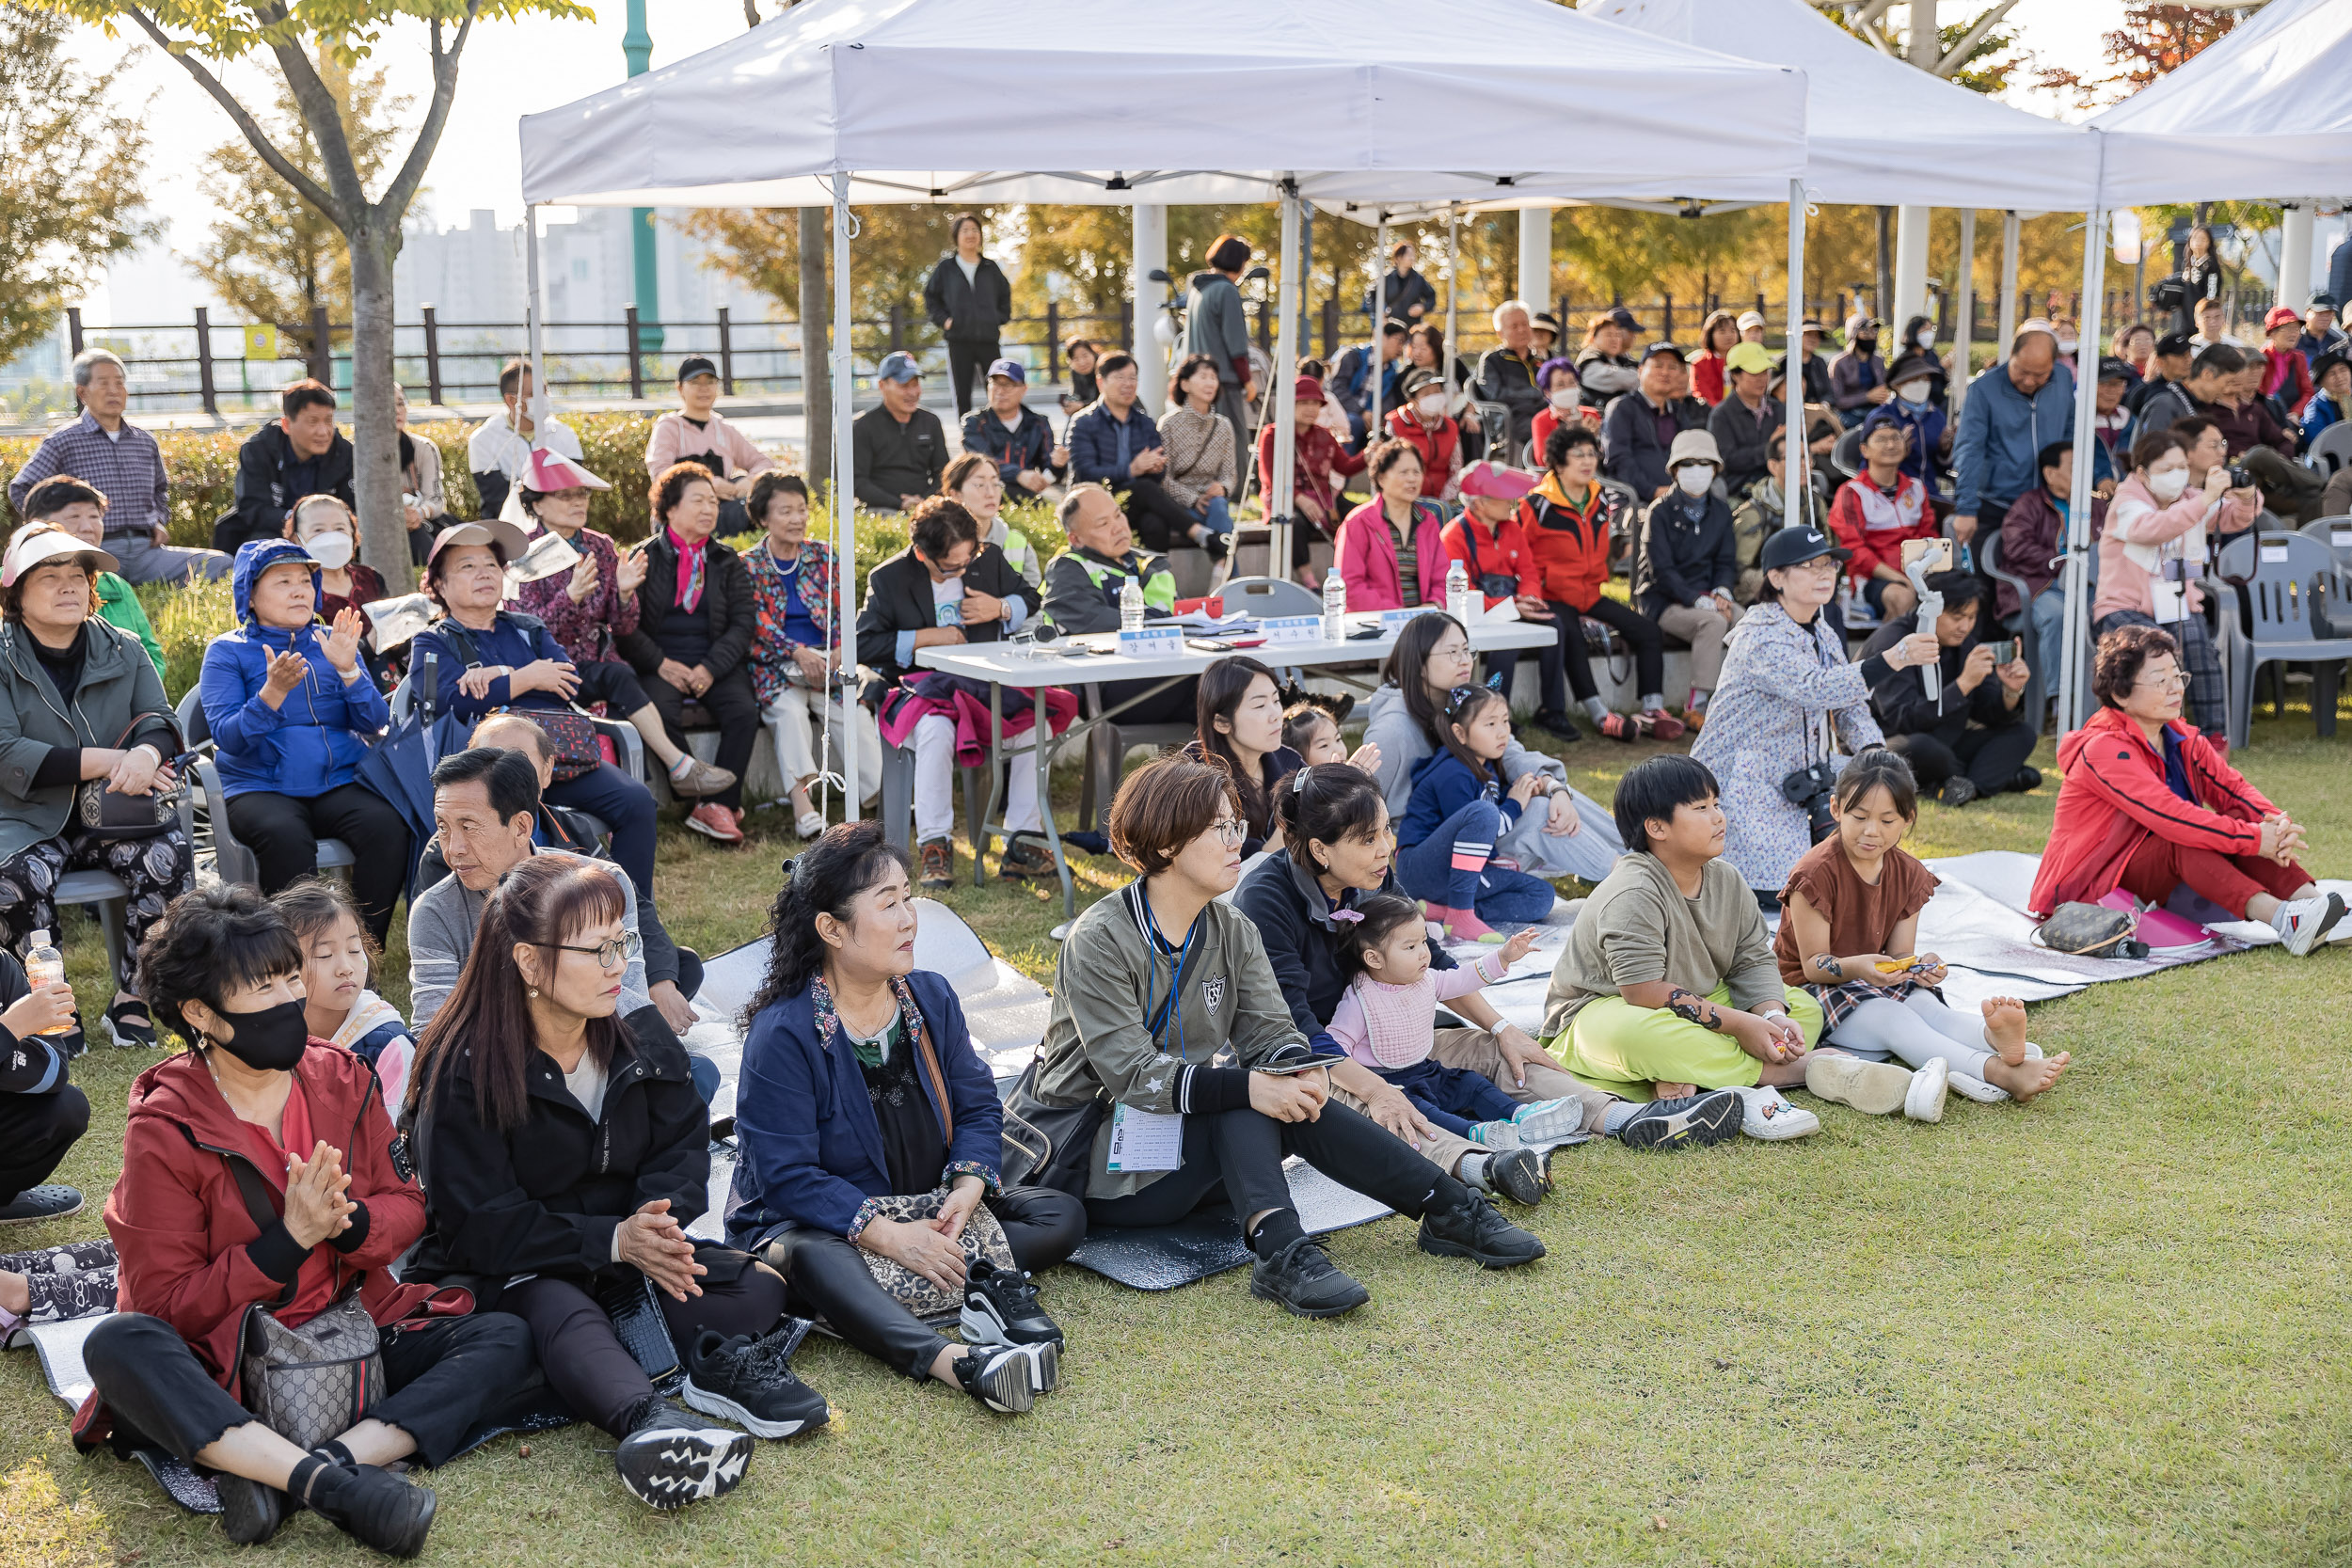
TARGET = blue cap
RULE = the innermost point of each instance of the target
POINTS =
(899, 366)
(1011, 370)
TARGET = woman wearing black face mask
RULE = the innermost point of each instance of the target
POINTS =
(256, 1106)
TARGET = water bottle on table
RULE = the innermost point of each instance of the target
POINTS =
(1458, 602)
(1130, 606)
(45, 966)
(1334, 607)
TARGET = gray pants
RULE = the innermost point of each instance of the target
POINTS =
(1588, 853)
(1919, 1029)
(144, 561)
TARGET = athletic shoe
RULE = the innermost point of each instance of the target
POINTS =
(1958, 790)
(1000, 1307)
(751, 1382)
(1924, 1099)
(1216, 547)
(1002, 1377)
(1025, 858)
(1303, 1281)
(1548, 1121)
(130, 1025)
(1977, 1089)
(250, 1511)
(1086, 842)
(694, 778)
(713, 820)
(1516, 1173)
(52, 1201)
(1462, 925)
(2302, 923)
(1618, 726)
(1694, 719)
(939, 865)
(1663, 725)
(1772, 1116)
(1874, 1088)
(1559, 727)
(2026, 782)
(672, 1457)
(1683, 1122)
(372, 1506)
(1472, 1227)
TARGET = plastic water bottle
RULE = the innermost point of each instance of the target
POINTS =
(1458, 602)
(1334, 607)
(45, 966)
(1130, 606)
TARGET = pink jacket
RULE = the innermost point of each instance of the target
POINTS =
(1388, 1027)
(2142, 533)
(1365, 556)
(719, 447)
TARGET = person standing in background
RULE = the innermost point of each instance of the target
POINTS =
(1218, 325)
(969, 300)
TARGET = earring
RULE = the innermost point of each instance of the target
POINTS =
(532, 991)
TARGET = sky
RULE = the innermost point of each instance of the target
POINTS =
(510, 70)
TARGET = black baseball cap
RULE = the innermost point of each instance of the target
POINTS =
(2174, 342)
(695, 365)
(1658, 348)
(2112, 368)
(1794, 546)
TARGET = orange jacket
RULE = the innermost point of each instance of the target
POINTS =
(1569, 545)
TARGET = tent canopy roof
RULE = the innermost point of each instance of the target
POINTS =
(1879, 131)
(2266, 112)
(1213, 103)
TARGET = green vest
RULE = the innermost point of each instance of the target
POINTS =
(1159, 588)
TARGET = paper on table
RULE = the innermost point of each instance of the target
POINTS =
(1146, 1140)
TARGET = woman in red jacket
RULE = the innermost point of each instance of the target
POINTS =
(1388, 552)
(259, 1172)
(1565, 523)
(1421, 419)
(2148, 804)
(1486, 540)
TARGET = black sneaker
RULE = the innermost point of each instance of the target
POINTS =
(1216, 547)
(1002, 1377)
(1000, 1307)
(751, 1382)
(1304, 1280)
(1684, 1122)
(130, 1025)
(1958, 790)
(1473, 1228)
(1558, 725)
(1517, 1174)
(671, 1458)
(53, 1201)
(373, 1506)
(2026, 782)
(250, 1511)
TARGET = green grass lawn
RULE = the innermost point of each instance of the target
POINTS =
(2103, 1328)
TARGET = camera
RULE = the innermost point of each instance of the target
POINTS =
(2241, 477)
(1810, 787)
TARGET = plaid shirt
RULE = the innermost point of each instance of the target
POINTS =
(129, 471)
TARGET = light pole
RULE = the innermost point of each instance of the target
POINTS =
(637, 46)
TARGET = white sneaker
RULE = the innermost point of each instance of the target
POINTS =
(2303, 923)
(1548, 1121)
(1924, 1099)
(1977, 1089)
(1874, 1088)
(1772, 1115)
(809, 824)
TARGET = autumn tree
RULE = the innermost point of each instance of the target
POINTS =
(70, 165)
(203, 35)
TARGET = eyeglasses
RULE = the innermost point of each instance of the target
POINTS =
(618, 950)
(2177, 681)
(1231, 830)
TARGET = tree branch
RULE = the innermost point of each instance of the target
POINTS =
(404, 185)
(324, 116)
(304, 187)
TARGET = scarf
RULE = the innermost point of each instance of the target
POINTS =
(690, 570)
(869, 1054)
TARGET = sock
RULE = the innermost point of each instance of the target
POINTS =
(1276, 1232)
(333, 1451)
(1619, 1113)
(1472, 1170)
(1447, 1194)
(685, 761)
(1653, 702)
(1597, 710)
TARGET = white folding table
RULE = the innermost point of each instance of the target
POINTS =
(999, 665)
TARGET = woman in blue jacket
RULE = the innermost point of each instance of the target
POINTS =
(870, 1140)
(292, 710)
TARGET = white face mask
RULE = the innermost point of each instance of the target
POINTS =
(2166, 486)
(1914, 392)
(1925, 337)
(1431, 406)
(332, 550)
(1565, 397)
(1694, 478)
(2068, 345)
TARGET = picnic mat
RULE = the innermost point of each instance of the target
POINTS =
(1210, 1241)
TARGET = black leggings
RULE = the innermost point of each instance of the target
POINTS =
(1236, 1157)
(1160, 520)
(830, 1280)
(611, 683)
(1991, 758)
(967, 363)
(1641, 635)
(444, 1376)
(283, 832)
(36, 1131)
(733, 707)
(585, 1360)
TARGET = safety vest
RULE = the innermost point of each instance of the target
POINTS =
(1159, 588)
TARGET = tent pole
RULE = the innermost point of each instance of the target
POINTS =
(1453, 296)
(1964, 307)
(1796, 463)
(1284, 407)
(2294, 255)
(2008, 328)
(1379, 331)
(537, 315)
(844, 494)
(2078, 511)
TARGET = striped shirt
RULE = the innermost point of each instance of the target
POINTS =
(126, 467)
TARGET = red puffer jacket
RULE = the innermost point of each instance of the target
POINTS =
(2114, 796)
(1569, 544)
(185, 1238)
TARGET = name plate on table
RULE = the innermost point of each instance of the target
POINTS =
(1293, 628)
(1392, 621)
(2273, 555)
(1152, 642)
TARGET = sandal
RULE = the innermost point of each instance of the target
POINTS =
(130, 1025)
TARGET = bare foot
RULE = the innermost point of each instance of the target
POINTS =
(2024, 1080)
(2005, 1028)
(1673, 1091)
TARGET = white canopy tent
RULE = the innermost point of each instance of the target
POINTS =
(849, 101)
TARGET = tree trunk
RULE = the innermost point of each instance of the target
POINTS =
(1883, 282)
(383, 528)
(816, 365)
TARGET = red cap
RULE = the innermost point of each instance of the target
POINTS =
(1496, 483)
(2280, 315)
(1306, 390)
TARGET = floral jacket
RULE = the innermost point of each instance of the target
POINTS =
(587, 628)
(812, 583)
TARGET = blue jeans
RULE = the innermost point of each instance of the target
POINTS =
(1430, 870)
(1216, 515)
(2049, 628)
(1452, 1097)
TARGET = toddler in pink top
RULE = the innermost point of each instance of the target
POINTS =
(1388, 1014)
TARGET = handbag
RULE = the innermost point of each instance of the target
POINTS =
(2091, 931)
(983, 1238)
(1056, 1144)
(102, 813)
(311, 1381)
